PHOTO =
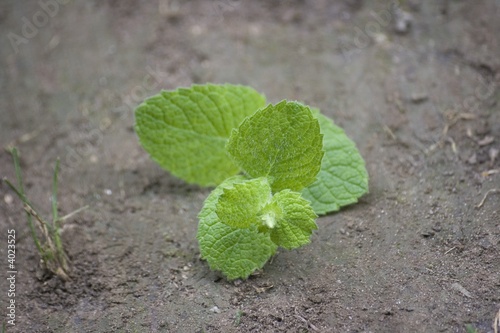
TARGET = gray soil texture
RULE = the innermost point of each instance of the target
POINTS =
(414, 83)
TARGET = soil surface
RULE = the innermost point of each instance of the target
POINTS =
(414, 84)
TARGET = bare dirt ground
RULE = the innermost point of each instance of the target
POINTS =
(414, 84)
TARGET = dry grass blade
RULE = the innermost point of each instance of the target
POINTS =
(493, 190)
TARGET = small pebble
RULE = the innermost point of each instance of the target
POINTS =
(472, 159)
(8, 199)
(493, 153)
(419, 97)
(215, 309)
(403, 21)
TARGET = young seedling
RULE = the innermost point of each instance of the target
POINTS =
(276, 168)
(50, 248)
(237, 318)
(469, 328)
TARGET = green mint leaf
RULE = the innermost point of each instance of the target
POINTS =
(185, 131)
(282, 142)
(290, 219)
(236, 252)
(343, 177)
(239, 205)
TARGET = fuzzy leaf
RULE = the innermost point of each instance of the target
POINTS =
(185, 130)
(237, 252)
(343, 177)
(294, 219)
(239, 205)
(282, 142)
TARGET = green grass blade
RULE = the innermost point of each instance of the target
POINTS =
(13, 188)
(56, 225)
(20, 193)
(54, 193)
(17, 167)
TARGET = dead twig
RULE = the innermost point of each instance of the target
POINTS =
(453, 119)
(453, 248)
(490, 172)
(456, 118)
(453, 144)
(493, 190)
(390, 132)
(262, 289)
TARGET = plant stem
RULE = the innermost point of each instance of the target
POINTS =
(56, 227)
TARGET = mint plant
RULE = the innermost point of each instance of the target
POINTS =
(275, 168)
(186, 130)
